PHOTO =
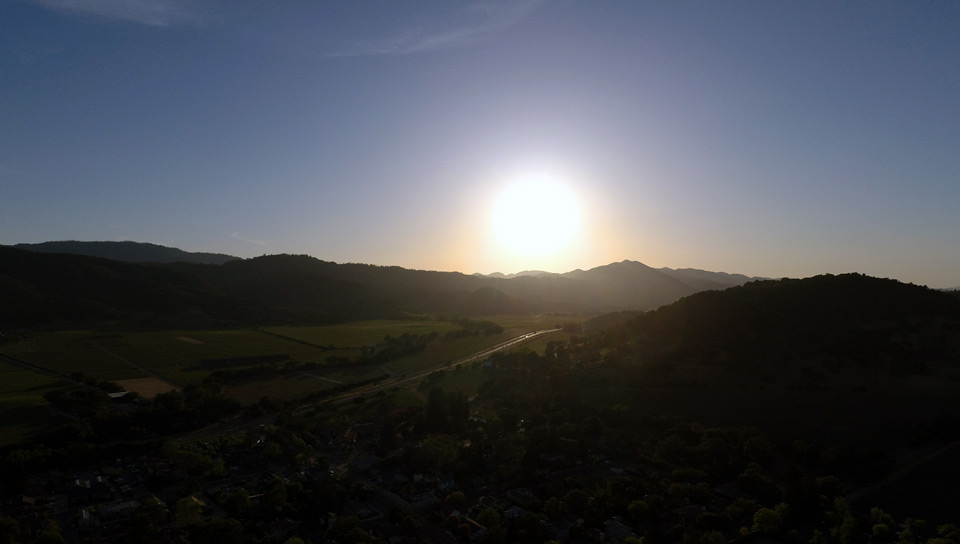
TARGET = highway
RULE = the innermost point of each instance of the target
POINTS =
(398, 380)
(504, 345)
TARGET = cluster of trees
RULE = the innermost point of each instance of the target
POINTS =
(545, 423)
(473, 327)
(392, 348)
(229, 362)
(561, 413)
(446, 412)
(103, 428)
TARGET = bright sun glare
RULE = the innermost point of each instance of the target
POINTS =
(535, 216)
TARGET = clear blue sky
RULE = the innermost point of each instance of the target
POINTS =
(765, 138)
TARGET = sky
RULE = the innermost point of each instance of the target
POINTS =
(775, 139)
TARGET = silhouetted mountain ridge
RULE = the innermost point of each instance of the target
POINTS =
(130, 252)
(49, 288)
(41, 289)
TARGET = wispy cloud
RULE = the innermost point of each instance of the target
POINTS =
(147, 12)
(476, 23)
(254, 241)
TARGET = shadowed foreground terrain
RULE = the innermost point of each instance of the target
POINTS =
(817, 410)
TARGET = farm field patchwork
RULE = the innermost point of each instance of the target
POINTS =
(174, 355)
(71, 351)
(157, 361)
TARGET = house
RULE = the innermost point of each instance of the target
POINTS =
(83, 518)
(23, 505)
(87, 492)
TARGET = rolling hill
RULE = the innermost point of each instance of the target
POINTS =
(842, 358)
(850, 319)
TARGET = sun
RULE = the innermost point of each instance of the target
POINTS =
(535, 216)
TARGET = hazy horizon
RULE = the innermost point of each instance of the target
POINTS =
(772, 140)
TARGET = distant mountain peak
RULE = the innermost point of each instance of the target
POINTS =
(524, 273)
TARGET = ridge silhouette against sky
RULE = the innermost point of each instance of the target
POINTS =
(770, 139)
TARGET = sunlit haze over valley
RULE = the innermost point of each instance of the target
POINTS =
(479, 272)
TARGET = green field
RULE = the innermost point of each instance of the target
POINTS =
(176, 355)
(292, 385)
(69, 352)
(22, 406)
(361, 333)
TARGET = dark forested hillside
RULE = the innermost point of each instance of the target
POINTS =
(834, 355)
(51, 290)
(837, 320)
